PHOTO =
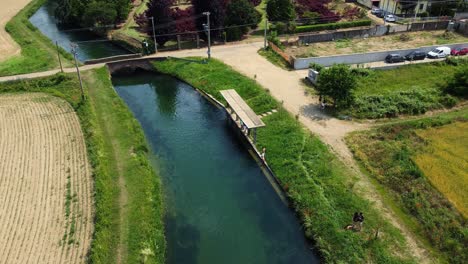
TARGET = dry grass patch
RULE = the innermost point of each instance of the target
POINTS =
(444, 162)
(389, 42)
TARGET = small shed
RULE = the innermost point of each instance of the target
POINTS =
(244, 116)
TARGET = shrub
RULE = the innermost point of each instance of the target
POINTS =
(316, 66)
(458, 83)
(330, 26)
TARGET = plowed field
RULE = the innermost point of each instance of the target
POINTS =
(45, 182)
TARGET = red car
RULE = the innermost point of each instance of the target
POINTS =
(459, 51)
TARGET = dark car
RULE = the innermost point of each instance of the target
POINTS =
(459, 51)
(392, 58)
(416, 55)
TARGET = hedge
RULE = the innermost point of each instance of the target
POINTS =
(328, 26)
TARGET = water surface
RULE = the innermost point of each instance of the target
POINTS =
(45, 21)
(220, 207)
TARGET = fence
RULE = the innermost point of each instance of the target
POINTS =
(371, 31)
(283, 54)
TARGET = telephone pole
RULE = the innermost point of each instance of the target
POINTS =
(58, 55)
(154, 36)
(74, 51)
(208, 30)
(265, 34)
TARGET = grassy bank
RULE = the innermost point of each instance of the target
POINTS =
(411, 89)
(38, 53)
(316, 182)
(392, 155)
(116, 149)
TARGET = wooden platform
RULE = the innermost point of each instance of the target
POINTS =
(241, 109)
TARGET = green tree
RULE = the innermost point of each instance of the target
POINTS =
(280, 10)
(99, 13)
(458, 84)
(240, 12)
(337, 82)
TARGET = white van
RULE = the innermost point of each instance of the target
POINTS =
(439, 52)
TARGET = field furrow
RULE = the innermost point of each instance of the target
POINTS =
(46, 205)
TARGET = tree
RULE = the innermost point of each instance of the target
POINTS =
(240, 12)
(69, 12)
(280, 10)
(217, 9)
(99, 13)
(164, 23)
(337, 82)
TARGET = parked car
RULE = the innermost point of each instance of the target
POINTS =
(416, 55)
(459, 51)
(390, 18)
(392, 58)
(376, 10)
(439, 52)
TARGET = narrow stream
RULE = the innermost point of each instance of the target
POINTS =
(45, 21)
(220, 207)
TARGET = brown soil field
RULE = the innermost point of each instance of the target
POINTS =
(46, 188)
(389, 42)
(9, 8)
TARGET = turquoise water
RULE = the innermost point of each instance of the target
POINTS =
(44, 20)
(220, 207)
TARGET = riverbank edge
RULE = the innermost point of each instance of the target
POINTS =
(360, 248)
(145, 227)
(38, 52)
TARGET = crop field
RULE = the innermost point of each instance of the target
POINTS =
(421, 165)
(46, 208)
(444, 162)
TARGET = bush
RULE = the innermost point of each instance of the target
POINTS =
(330, 26)
(316, 66)
(458, 84)
(283, 28)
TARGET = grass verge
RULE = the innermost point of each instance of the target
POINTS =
(389, 153)
(116, 148)
(275, 58)
(316, 182)
(38, 53)
(410, 89)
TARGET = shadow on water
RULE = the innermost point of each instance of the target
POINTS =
(220, 206)
(45, 21)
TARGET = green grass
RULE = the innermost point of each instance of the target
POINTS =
(130, 25)
(275, 58)
(318, 185)
(411, 89)
(388, 153)
(38, 53)
(116, 147)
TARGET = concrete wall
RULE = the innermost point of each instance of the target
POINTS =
(303, 63)
(370, 32)
(113, 58)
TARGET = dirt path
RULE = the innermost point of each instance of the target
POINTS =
(9, 8)
(45, 182)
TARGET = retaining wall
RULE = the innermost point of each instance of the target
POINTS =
(283, 54)
(370, 31)
(303, 63)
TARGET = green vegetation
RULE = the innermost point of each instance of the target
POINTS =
(129, 28)
(337, 82)
(410, 89)
(116, 148)
(330, 26)
(390, 154)
(275, 58)
(38, 53)
(316, 182)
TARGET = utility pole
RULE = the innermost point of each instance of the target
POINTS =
(74, 51)
(265, 34)
(416, 9)
(58, 55)
(154, 36)
(208, 30)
